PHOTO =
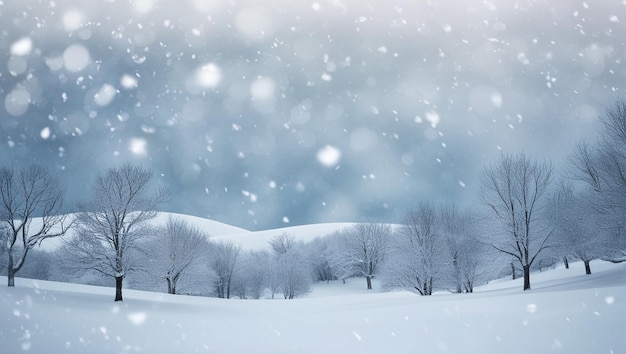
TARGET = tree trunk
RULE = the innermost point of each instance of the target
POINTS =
(527, 277)
(513, 271)
(118, 288)
(171, 288)
(429, 287)
(587, 267)
(566, 262)
(11, 277)
(11, 271)
(369, 282)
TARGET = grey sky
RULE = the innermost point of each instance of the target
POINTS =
(258, 113)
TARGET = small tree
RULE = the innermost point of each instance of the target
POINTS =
(30, 212)
(293, 274)
(363, 247)
(254, 275)
(112, 222)
(226, 263)
(177, 248)
(514, 190)
(466, 254)
(419, 257)
(319, 255)
(575, 232)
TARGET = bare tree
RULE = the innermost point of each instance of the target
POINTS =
(282, 243)
(576, 232)
(255, 270)
(30, 212)
(419, 256)
(226, 263)
(177, 249)
(466, 254)
(292, 273)
(319, 255)
(113, 221)
(364, 247)
(515, 191)
(602, 166)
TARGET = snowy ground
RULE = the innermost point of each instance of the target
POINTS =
(566, 312)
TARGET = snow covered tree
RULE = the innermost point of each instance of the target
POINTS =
(292, 271)
(282, 243)
(112, 222)
(419, 257)
(176, 251)
(226, 263)
(363, 247)
(576, 233)
(255, 270)
(341, 267)
(319, 255)
(30, 211)
(602, 166)
(467, 256)
(515, 190)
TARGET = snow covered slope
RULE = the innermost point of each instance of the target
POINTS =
(255, 240)
(248, 240)
(566, 312)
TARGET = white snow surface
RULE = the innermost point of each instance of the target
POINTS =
(566, 312)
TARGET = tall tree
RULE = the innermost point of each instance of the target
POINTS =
(515, 191)
(30, 211)
(602, 166)
(112, 222)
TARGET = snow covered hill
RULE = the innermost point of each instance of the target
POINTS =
(248, 240)
(566, 312)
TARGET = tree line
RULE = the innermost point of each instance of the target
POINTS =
(527, 216)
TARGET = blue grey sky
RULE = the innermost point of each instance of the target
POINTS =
(263, 114)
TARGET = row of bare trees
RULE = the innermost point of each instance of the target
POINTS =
(527, 218)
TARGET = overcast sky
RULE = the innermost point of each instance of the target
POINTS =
(263, 114)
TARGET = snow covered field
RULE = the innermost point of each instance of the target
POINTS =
(566, 312)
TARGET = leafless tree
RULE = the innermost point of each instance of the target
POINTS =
(515, 191)
(291, 270)
(602, 166)
(319, 253)
(466, 254)
(177, 249)
(30, 212)
(226, 263)
(419, 256)
(364, 247)
(255, 270)
(294, 274)
(113, 221)
(576, 231)
(282, 243)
